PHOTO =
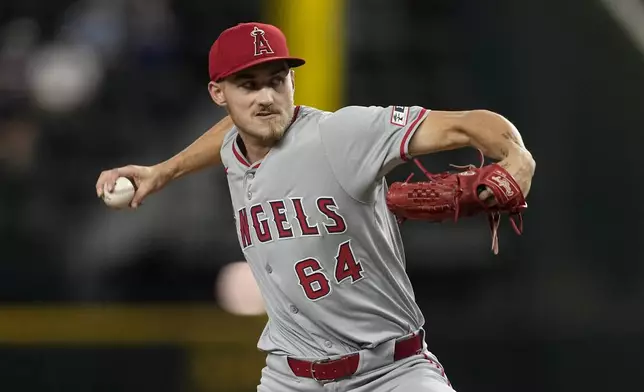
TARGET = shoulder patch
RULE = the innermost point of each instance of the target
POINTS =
(399, 115)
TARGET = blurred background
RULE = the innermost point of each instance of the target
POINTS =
(160, 299)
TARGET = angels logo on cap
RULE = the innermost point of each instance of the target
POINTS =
(231, 51)
(261, 43)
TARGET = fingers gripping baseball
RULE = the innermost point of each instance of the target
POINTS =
(146, 180)
(107, 179)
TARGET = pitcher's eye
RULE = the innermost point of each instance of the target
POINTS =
(278, 81)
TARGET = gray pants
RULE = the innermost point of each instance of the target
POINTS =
(420, 372)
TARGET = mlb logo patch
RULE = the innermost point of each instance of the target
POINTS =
(399, 115)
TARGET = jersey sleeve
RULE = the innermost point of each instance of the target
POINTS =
(364, 143)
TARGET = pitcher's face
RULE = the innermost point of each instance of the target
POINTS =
(259, 100)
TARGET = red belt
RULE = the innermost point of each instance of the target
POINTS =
(327, 370)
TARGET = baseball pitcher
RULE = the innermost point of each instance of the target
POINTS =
(318, 223)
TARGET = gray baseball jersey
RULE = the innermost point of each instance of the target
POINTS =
(314, 227)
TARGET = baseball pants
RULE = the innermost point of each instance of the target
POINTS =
(420, 372)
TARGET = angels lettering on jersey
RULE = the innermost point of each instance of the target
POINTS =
(272, 221)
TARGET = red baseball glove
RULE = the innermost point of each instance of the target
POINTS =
(455, 195)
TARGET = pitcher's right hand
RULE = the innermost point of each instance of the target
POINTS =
(146, 180)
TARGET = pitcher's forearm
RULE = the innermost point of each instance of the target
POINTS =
(491, 133)
(494, 135)
(202, 153)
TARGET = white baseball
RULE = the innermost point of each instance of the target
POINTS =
(122, 194)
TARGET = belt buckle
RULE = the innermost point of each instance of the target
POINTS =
(313, 375)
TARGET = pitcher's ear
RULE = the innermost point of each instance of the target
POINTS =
(216, 91)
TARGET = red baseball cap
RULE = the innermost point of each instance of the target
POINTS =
(246, 45)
